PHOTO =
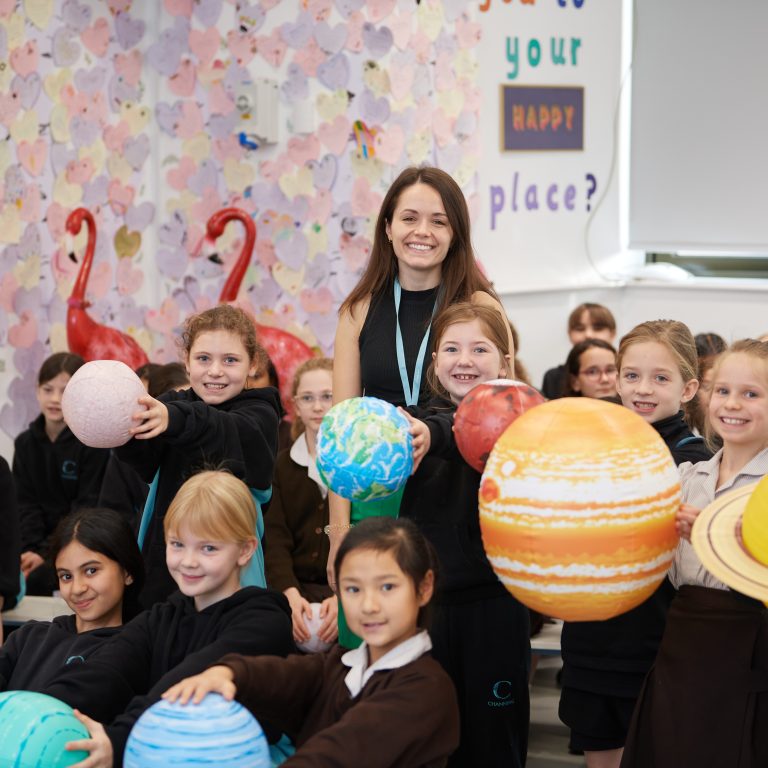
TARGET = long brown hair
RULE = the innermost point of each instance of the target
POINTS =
(460, 276)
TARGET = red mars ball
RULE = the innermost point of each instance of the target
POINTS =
(485, 412)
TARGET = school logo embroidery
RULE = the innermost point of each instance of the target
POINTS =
(69, 470)
(502, 694)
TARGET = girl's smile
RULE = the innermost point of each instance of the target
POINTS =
(465, 358)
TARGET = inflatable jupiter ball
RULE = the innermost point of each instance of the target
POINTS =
(577, 509)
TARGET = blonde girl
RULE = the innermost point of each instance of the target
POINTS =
(296, 545)
(604, 663)
(209, 528)
(218, 421)
(705, 701)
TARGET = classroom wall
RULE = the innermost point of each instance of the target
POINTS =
(129, 109)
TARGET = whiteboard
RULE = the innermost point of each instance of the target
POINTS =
(699, 126)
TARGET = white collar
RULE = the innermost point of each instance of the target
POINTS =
(360, 673)
(300, 454)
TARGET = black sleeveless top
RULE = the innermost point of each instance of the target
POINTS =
(379, 370)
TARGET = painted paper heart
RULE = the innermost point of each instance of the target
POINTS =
(378, 41)
(126, 242)
(25, 58)
(335, 135)
(129, 279)
(295, 85)
(27, 89)
(291, 249)
(139, 217)
(168, 116)
(297, 33)
(207, 12)
(136, 151)
(90, 81)
(96, 37)
(128, 31)
(76, 15)
(334, 73)
(372, 110)
(128, 66)
(65, 49)
(348, 7)
(324, 171)
(32, 155)
(330, 39)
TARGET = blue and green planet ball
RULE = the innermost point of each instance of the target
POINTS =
(364, 449)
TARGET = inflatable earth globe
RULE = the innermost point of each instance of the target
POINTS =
(364, 449)
(213, 732)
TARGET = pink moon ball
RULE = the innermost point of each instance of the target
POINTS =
(99, 402)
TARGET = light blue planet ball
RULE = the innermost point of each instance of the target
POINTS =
(364, 449)
(213, 732)
(34, 729)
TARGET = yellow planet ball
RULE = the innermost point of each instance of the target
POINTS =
(577, 509)
(754, 523)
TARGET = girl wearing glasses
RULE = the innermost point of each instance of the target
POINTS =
(591, 370)
(605, 663)
(296, 548)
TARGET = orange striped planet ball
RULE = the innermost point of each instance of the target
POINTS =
(577, 509)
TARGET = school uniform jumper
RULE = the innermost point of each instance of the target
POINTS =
(52, 478)
(705, 701)
(397, 713)
(37, 651)
(162, 646)
(605, 662)
(295, 546)
(239, 435)
(480, 632)
(10, 544)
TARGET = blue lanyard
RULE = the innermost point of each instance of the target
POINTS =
(411, 395)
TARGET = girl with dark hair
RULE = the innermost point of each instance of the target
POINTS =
(591, 370)
(54, 473)
(100, 571)
(386, 704)
(421, 262)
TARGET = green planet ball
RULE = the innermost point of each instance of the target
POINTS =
(34, 729)
(364, 450)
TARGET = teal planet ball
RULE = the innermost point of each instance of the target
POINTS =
(34, 729)
(213, 732)
(364, 450)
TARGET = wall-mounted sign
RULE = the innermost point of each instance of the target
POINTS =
(535, 117)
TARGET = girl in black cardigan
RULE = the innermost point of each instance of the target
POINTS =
(605, 663)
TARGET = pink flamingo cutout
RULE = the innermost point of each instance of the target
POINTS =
(287, 351)
(86, 337)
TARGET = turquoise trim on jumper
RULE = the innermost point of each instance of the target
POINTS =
(253, 574)
(281, 751)
(149, 510)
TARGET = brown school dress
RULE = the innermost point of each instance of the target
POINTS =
(704, 703)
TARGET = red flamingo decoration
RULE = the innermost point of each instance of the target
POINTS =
(287, 351)
(86, 337)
